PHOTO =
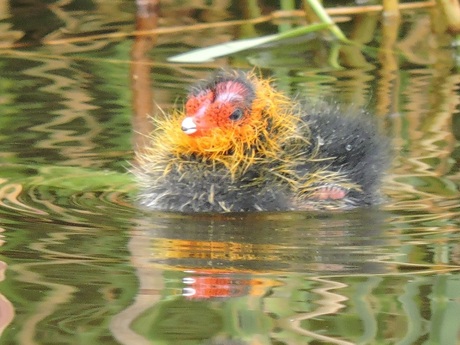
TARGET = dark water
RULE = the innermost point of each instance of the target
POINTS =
(82, 264)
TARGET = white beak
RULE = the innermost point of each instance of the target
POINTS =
(188, 125)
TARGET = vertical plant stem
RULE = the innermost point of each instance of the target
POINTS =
(286, 5)
(324, 17)
(452, 11)
(250, 9)
(141, 83)
(391, 8)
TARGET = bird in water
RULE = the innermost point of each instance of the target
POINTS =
(239, 145)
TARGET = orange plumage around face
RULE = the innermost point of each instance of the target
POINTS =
(240, 145)
(233, 120)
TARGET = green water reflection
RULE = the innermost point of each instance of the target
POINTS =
(81, 263)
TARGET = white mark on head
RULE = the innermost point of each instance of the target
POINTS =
(230, 91)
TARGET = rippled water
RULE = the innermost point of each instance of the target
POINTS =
(82, 264)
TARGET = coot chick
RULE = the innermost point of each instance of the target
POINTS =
(240, 145)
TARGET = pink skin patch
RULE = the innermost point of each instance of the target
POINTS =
(330, 192)
(230, 91)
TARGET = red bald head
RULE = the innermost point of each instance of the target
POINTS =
(222, 102)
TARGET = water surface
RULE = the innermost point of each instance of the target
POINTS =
(80, 262)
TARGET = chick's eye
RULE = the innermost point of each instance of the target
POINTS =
(236, 115)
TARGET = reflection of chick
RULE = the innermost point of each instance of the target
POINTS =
(243, 146)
